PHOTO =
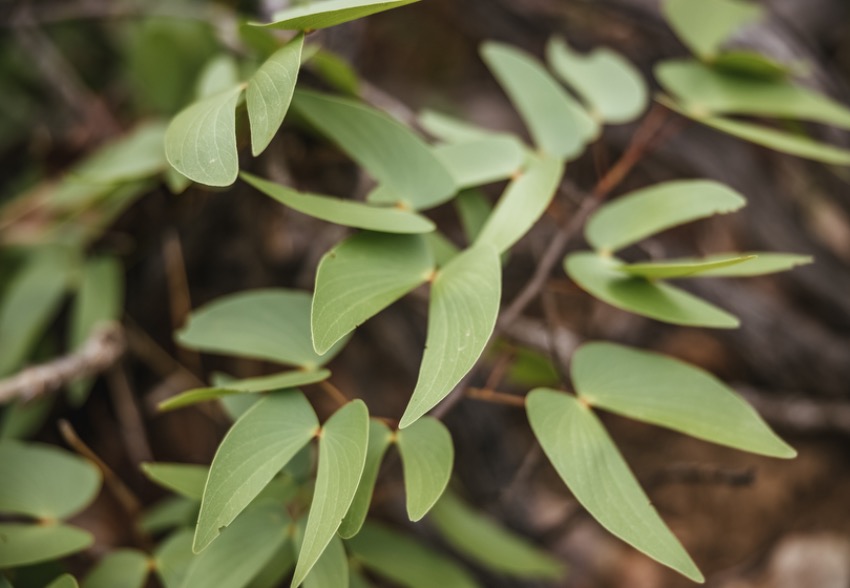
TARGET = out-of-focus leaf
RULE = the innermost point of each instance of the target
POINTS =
(123, 568)
(681, 268)
(137, 155)
(389, 151)
(427, 457)
(172, 558)
(270, 92)
(663, 391)
(63, 581)
(321, 15)
(557, 122)
(183, 478)
(25, 544)
(600, 277)
(379, 440)
(219, 74)
(482, 161)
(336, 71)
(609, 84)
(278, 567)
(591, 466)
(705, 25)
(441, 248)
(643, 213)
(356, 579)
(360, 277)
(750, 64)
(20, 420)
(169, 513)
(454, 130)
(474, 209)
(331, 570)
(465, 296)
(763, 262)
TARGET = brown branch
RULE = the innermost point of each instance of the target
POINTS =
(495, 397)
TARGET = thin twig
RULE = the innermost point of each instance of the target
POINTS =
(334, 392)
(495, 397)
(132, 425)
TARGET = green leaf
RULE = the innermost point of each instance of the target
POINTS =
(242, 550)
(219, 74)
(379, 440)
(271, 324)
(681, 268)
(601, 277)
(355, 580)
(449, 129)
(336, 71)
(122, 568)
(328, 13)
(169, 513)
(762, 264)
(557, 122)
(273, 382)
(360, 277)
(388, 150)
(750, 64)
(201, 140)
(270, 92)
(43, 481)
(465, 297)
(705, 91)
(482, 161)
(474, 209)
(427, 457)
(331, 570)
(404, 561)
(137, 155)
(490, 544)
(31, 298)
(608, 83)
(25, 544)
(278, 567)
(63, 581)
(591, 466)
(342, 455)
(705, 25)
(651, 210)
(183, 478)
(663, 391)
(523, 203)
(172, 558)
(349, 213)
(257, 446)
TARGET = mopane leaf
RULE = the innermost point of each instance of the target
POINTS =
(349, 213)
(219, 74)
(122, 568)
(663, 391)
(257, 446)
(270, 92)
(763, 263)
(172, 558)
(342, 455)
(388, 150)
(600, 277)
(280, 381)
(591, 466)
(488, 543)
(405, 561)
(681, 268)
(331, 571)
(138, 154)
(360, 277)
(278, 567)
(427, 457)
(25, 544)
(265, 324)
(328, 13)
(523, 203)
(379, 440)
(705, 25)
(474, 209)
(645, 212)
(201, 140)
(169, 513)
(449, 129)
(611, 86)
(465, 297)
(482, 161)
(556, 121)
(63, 581)
(336, 71)
(44, 481)
(183, 478)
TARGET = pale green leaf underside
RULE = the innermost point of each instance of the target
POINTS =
(256, 385)
(489, 543)
(427, 457)
(524, 201)
(592, 468)
(600, 277)
(200, 142)
(328, 13)
(185, 479)
(342, 455)
(270, 91)
(682, 268)
(764, 262)
(462, 313)
(556, 121)
(449, 129)
(379, 441)
(331, 570)
(349, 213)
(393, 154)
(172, 557)
(271, 324)
(612, 87)
(25, 544)
(706, 24)
(482, 161)
(44, 481)
(257, 446)
(643, 213)
(405, 561)
(663, 391)
(360, 277)
(122, 568)
(63, 581)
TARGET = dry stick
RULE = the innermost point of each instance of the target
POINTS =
(334, 392)
(132, 425)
